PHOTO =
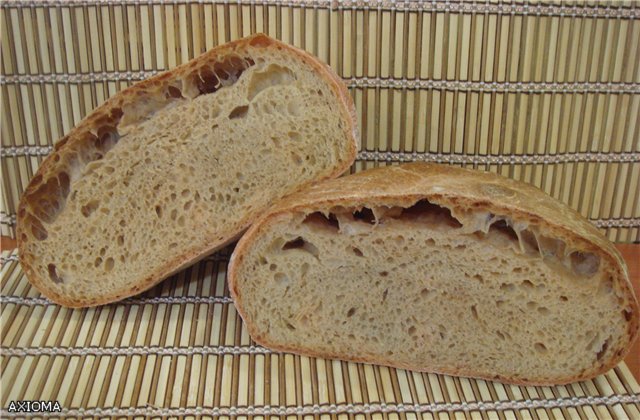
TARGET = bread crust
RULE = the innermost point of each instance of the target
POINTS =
(77, 141)
(403, 186)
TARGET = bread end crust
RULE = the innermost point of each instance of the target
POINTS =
(379, 186)
(86, 136)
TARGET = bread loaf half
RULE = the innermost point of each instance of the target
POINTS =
(176, 166)
(440, 269)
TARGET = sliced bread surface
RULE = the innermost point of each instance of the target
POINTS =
(176, 166)
(439, 269)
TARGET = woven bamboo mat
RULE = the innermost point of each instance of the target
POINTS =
(544, 91)
(181, 349)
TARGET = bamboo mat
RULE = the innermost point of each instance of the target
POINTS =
(181, 349)
(547, 92)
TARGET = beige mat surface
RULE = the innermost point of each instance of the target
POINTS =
(547, 92)
(181, 349)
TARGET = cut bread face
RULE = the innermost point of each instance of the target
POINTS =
(179, 165)
(437, 269)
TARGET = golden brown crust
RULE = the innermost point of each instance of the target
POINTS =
(448, 185)
(92, 133)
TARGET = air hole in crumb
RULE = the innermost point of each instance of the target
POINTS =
(89, 208)
(53, 274)
(384, 294)
(424, 292)
(501, 229)
(551, 247)
(39, 232)
(294, 135)
(540, 348)
(584, 263)
(507, 287)
(527, 284)
(411, 330)
(603, 349)
(383, 273)
(159, 211)
(564, 298)
(281, 278)
(97, 262)
(627, 314)
(173, 92)
(606, 287)
(351, 312)
(120, 240)
(318, 220)
(474, 312)
(272, 75)
(239, 112)
(296, 158)
(301, 244)
(108, 264)
(294, 244)
(543, 310)
(289, 326)
(529, 243)
(365, 215)
(357, 251)
(206, 80)
(424, 211)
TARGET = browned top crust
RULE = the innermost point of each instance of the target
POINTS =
(472, 189)
(95, 135)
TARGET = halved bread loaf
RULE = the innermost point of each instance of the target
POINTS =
(440, 269)
(174, 167)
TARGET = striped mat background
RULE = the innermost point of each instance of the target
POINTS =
(181, 349)
(543, 91)
(546, 92)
